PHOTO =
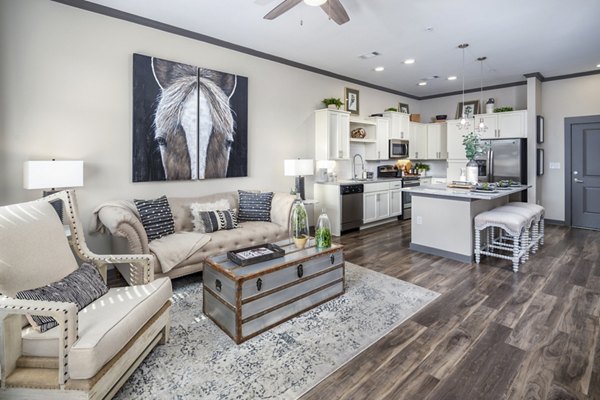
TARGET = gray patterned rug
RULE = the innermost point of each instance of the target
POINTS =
(202, 362)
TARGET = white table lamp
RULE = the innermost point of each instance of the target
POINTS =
(299, 168)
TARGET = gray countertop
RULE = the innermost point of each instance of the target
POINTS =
(446, 192)
(350, 182)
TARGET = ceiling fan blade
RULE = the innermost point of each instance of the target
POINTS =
(336, 11)
(286, 5)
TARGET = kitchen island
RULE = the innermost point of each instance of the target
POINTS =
(442, 218)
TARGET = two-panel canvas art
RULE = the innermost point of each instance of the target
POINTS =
(189, 122)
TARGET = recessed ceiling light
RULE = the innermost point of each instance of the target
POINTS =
(422, 83)
(379, 69)
(409, 61)
(598, 66)
(452, 78)
(315, 2)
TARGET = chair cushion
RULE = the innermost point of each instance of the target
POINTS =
(35, 250)
(255, 206)
(510, 222)
(156, 217)
(105, 327)
(81, 287)
(539, 210)
(211, 221)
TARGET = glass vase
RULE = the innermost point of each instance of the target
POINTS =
(323, 231)
(299, 223)
(472, 171)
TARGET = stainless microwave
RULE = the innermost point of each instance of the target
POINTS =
(398, 148)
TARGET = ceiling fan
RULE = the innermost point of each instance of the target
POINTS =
(333, 8)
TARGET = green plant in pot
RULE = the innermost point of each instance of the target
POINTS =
(391, 109)
(473, 148)
(422, 168)
(299, 223)
(333, 101)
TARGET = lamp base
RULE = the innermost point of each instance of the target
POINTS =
(300, 186)
(56, 204)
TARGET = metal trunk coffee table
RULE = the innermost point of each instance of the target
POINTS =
(245, 301)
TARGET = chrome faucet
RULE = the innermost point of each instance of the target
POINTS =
(354, 166)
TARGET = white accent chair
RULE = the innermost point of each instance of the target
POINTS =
(90, 354)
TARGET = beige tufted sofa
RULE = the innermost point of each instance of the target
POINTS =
(128, 235)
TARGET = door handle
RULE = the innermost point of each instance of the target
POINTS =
(578, 180)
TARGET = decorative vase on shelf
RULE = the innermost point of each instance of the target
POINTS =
(472, 171)
(299, 223)
(489, 106)
(323, 231)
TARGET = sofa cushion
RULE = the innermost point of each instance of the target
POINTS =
(81, 287)
(156, 217)
(182, 214)
(255, 206)
(211, 221)
(105, 326)
(31, 232)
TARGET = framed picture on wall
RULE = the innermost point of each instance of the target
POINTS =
(470, 108)
(540, 129)
(352, 101)
(403, 108)
(540, 162)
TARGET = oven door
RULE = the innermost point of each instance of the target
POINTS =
(407, 199)
(398, 148)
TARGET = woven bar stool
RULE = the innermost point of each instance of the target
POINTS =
(539, 220)
(514, 224)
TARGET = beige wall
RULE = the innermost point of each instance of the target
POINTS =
(562, 99)
(66, 82)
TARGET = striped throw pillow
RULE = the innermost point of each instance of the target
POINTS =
(82, 286)
(156, 217)
(255, 206)
(210, 221)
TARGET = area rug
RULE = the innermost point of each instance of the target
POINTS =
(202, 362)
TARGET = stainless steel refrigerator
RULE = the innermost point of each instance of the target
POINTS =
(506, 159)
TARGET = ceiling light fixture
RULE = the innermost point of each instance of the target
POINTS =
(315, 3)
(379, 69)
(598, 66)
(464, 123)
(481, 127)
(422, 83)
(452, 78)
(409, 61)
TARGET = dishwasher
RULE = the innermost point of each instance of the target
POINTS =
(351, 206)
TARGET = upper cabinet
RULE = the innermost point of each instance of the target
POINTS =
(399, 127)
(455, 147)
(332, 135)
(380, 149)
(512, 124)
(437, 141)
(417, 141)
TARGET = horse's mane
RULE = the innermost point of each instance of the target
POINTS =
(223, 122)
(170, 106)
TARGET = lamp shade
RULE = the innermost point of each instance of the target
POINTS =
(298, 167)
(52, 174)
(315, 3)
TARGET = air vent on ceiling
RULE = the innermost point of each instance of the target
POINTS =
(369, 55)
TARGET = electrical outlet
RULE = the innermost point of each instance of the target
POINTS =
(554, 165)
(419, 220)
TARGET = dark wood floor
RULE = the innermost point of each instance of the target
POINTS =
(492, 334)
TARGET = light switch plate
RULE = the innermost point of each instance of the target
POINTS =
(554, 165)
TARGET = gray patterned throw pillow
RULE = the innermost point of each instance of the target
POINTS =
(210, 221)
(255, 206)
(82, 286)
(156, 217)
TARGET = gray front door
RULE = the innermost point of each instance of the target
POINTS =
(585, 175)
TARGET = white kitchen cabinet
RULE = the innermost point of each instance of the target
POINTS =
(332, 135)
(399, 124)
(505, 125)
(437, 141)
(454, 144)
(417, 142)
(395, 198)
(376, 202)
(425, 180)
(438, 181)
(380, 149)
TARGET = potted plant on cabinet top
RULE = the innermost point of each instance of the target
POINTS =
(333, 102)
(473, 148)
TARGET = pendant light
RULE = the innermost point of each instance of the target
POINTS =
(464, 123)
(481, 127)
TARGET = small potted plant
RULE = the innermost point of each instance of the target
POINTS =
(333, 102)
(299, 223)
(473, 148)
(422, 168)
(391, 109)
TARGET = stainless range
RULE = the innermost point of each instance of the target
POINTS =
(408, 181)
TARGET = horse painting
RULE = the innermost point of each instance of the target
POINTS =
(193, 126)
